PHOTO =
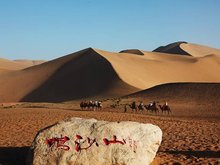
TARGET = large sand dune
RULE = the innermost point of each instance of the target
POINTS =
(97, 73)
(80, 75)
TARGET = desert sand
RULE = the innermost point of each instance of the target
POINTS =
(198, 50)
(184, 74)
(10, 65)
(191, 139)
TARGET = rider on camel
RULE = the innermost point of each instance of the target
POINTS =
(154, 103)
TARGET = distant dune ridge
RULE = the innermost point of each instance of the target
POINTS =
(198, 50)
(189, 49)
(10, 65)
(93, 73)
(17, 64)
(132, 51)
(30, 63)
(173, 48)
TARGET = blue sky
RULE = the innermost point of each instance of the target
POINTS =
(47, 29)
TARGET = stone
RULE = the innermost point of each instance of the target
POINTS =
(78, 141)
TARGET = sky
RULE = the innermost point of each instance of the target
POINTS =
(48, 29)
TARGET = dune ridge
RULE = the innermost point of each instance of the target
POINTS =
(199, 50)
(10, 65)
(173, 48)
(132, 51)
(18, 64)
(29, 63)
(190, 49)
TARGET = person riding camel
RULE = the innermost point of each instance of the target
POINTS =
(99, 104)
(125, 108)
(154, 103)
(141, 103)
(141, 106)
(133, 104)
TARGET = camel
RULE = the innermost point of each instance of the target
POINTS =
(83, 105)
(98, 105)
(165, 108)
(152, 107)
(141, 107)
(133, 106)
(91, 104)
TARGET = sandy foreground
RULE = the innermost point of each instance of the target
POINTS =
(186, 140)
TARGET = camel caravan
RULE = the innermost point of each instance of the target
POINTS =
(91, 105)
(151, 107)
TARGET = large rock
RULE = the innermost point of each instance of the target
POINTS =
(79, 141)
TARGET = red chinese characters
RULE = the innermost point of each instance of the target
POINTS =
(85, 144)
(79, 141)
(58, 142)
(114, 141)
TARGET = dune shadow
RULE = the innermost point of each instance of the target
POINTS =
(13, 155)
(198, 154)
(86, 74)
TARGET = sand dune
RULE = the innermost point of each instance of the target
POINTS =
(79, 75)
(186, 99)
(207, 92)
(199, 50)
(17, 64)
(97, 73)
(173, 48)
(190, 49)
(10, 65)
(4, 71)
(29, 63)
(158, 68)
(132, 51)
